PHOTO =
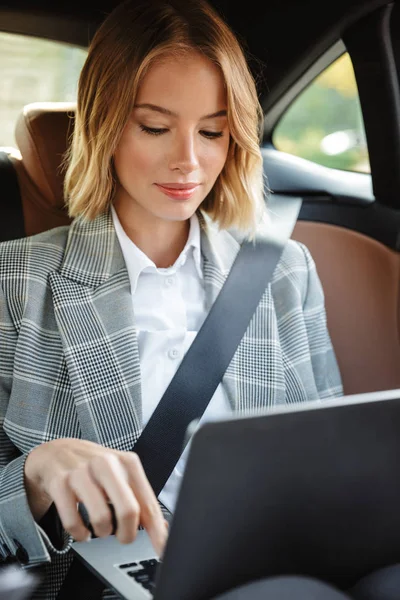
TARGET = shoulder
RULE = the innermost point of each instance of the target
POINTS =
(295, 261)
(295, 269)
(36, 255)
(296, 258)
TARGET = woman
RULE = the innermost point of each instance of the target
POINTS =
(96, 317)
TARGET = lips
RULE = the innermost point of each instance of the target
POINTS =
(179, 186)
(178, 191)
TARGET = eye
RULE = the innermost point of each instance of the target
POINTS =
(153, 130)
(212, 135)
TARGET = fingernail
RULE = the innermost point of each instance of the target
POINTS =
(89, 537)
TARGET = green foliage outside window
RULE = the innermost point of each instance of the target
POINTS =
(324, 124)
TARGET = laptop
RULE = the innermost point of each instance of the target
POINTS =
(310, 489)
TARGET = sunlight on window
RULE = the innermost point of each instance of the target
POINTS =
(34, 70)
(324, 124)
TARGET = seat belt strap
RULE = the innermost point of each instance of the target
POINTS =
(161, 443)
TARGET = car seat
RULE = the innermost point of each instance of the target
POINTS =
(360, 278)
(42, 133)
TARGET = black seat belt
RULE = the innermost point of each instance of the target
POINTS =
(187, 396)
(191, 389)
(12, 224)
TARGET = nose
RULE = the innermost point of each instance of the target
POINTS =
(183, 156)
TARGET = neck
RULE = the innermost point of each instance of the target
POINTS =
(162, 241)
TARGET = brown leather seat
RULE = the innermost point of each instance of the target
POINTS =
(360, 276)
(42, 133)
(361, 280)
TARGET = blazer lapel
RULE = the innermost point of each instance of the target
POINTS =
(93, 309)
(254, 379)
(219, 250)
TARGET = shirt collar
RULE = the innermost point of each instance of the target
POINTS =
(137, 261)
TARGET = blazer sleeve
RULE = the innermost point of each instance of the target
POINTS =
(325, 367)
(21, 538)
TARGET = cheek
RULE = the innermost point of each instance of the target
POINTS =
(135, 157)
(215, 158)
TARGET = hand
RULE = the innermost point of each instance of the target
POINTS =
(68, 471)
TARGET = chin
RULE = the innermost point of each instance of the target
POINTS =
(182, 213)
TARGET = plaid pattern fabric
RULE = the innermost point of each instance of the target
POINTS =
(69, 361)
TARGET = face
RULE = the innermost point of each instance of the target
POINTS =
(176, 141)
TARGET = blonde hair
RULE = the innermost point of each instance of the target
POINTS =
(131, 38)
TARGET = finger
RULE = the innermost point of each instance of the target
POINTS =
(66, 504)
(151, 516)
(94, 499)
(111, 475)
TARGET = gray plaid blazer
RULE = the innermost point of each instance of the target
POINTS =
(69, 361)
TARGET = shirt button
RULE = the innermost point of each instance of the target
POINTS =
(173, 353)
(169, 281)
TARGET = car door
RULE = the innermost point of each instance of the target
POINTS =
(350, 215)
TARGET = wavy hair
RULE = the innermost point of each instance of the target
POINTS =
(132, 37)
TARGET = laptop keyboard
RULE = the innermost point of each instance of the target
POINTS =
(144, 572)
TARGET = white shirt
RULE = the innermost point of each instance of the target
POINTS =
(169, 309)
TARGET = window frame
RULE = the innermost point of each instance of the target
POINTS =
(57, 28)
(273, 113)
(297, 97)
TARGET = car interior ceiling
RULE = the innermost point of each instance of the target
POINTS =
(352, 235)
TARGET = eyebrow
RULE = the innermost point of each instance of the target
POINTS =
(166, 111)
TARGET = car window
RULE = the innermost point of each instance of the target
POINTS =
(34, 70)
(324, 124)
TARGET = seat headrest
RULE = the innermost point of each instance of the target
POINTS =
(42, 133)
